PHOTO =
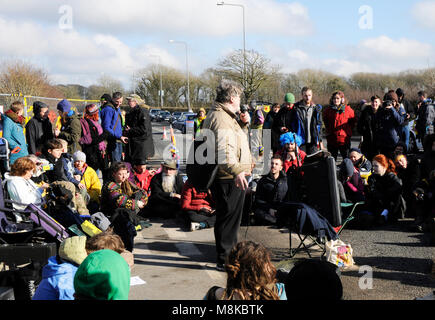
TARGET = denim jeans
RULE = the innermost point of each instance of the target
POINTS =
(405, 135)
(116, 151)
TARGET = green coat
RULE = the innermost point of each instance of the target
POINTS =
(72, 132)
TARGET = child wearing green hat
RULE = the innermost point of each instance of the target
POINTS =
(58, 273)
(103, 275)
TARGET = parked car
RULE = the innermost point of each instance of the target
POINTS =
(154, 113)
(163, 116)
(185, 123)
(176, 115)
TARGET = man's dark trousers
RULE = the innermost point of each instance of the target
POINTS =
(229, 208)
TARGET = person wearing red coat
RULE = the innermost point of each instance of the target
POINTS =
(198, 207)
(339, 120)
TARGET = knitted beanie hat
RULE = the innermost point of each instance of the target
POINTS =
(64, 106)
(73, 250)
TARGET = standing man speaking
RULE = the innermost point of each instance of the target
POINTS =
(234, 161)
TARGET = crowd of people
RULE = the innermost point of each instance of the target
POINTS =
(386, 170)
(62, 165)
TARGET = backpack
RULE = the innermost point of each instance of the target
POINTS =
(86, 138)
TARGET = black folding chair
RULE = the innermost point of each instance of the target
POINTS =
(320, 192)
(308, 225)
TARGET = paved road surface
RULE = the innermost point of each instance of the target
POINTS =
(178, 264)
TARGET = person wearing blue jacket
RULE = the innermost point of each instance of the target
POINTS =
(13, 131)
(111, 121)
(58, 274)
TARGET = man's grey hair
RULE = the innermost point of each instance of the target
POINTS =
(226, 90)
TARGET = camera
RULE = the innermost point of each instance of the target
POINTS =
(243, 108)
(388, 103)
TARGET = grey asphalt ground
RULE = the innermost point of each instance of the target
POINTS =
(177, 264)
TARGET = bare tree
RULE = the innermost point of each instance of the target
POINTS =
(258, 70)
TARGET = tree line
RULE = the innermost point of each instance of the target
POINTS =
(262, 81)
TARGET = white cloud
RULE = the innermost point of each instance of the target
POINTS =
(423, 13)
(78, 57)
(384, 54)
(162, 16)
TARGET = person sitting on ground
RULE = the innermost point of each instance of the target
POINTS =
(55, 174)
(352, 182)
(250, 275)
(103, 275)
(21, 188)
(72, 174)
(141, 176)
(409, 171)
(383, 192)
(122, 201)
(312, 280)
(109, 240)
(198, 207)
(52, 152)
(166, 188)
(271, 191)
(89, 179)
(293, 158)
(360, 162)
(58, 274)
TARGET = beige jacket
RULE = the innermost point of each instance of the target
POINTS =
(231, 142)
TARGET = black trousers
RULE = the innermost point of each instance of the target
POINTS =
(198, 216)
(229, 200)
(344, 150)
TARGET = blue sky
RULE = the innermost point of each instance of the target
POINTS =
(120, 37)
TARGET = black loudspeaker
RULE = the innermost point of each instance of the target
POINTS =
(320, 188)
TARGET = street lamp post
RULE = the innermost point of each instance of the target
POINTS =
(187, 72)
(161, 82)
(244, 35)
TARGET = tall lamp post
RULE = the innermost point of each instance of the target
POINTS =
(161, 82)
(187, 72)
(244, 35)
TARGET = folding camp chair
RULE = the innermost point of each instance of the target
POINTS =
(308, 224)
(350, 217)
(320, 192)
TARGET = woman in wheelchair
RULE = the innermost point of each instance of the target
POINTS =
(21, 189)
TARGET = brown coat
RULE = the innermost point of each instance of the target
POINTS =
(231, 142)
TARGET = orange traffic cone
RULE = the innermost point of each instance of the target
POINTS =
(165, 137)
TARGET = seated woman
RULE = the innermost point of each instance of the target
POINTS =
(271, 191)
(293, 158)
(360, 162)
(352, 182)
(89, 179)
(197, 207)
(409, 173)
(21, 188)
(383, 192)
(122, 201)
(250, 275)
